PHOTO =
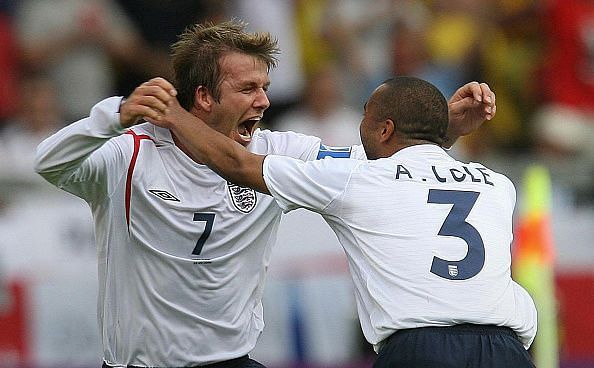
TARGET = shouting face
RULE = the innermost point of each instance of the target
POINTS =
(243, 97)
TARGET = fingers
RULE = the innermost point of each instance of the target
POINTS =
(481, 93)
(488, 98)
(137, 109)
(491, 115)
(163, 84)
(157, 93)
(488, 95)
(148, 101)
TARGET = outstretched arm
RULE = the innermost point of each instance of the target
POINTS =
(222, 154)
(469, 107)
(156, 103)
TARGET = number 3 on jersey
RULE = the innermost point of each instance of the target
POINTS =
(455, 225)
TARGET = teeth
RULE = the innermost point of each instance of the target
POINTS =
(244, 132)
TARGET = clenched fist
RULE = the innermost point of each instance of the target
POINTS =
(148, 101)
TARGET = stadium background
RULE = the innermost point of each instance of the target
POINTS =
(537, 55)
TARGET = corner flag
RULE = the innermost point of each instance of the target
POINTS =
(533, 261)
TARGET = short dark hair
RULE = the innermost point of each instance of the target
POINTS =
(419, 110)
(197, 53)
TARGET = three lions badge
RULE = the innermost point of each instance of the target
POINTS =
(244, 199)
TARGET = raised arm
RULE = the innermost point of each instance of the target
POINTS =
(77, 158)
(63, 159)
(469, 107)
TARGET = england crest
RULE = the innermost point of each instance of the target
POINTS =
(244, 199)
(453, 270)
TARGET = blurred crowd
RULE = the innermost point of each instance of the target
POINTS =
(59, 57)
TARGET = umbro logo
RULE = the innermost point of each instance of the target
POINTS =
(164, 195)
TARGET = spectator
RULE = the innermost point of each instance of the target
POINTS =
(278, 18)
(564, 126)
(359, 33)
(74, 42)
(323, 111)
(159, 24)
(8, 65)
(509, 54)
(39, 114)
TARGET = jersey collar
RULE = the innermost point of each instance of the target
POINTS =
(421, 150)
(163, 134)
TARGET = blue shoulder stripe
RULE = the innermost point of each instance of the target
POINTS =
(336, 152)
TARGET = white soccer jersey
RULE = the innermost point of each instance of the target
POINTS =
(427, 237)
(182, 252)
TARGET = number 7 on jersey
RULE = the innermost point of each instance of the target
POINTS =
(209, 219)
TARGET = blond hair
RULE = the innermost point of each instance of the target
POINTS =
(197, 54)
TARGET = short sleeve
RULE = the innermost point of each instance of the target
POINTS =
(301, 146)
(313, 185)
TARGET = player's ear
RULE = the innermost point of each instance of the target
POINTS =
(203, 99)
(387, 130)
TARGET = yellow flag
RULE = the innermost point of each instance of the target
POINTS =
(533, 261)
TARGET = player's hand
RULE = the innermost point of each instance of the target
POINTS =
(149, 101)
(173, 115)
(469, 107)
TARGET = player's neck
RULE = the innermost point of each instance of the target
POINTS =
(179, 144)
(402, 143)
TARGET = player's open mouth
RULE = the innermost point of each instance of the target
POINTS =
(246, 128)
